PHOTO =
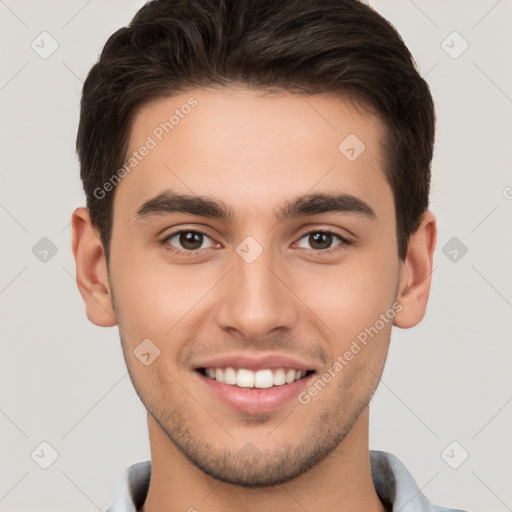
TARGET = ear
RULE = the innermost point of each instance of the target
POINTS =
(91, 270)
(416, 272)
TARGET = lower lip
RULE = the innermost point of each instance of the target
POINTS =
(255, 400)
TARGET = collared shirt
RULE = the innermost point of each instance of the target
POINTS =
(394, 484)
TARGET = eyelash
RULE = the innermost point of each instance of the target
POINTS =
(178, 252)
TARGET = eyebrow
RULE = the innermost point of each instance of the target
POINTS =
(170, 202)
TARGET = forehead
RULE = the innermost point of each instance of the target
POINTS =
(253, 150)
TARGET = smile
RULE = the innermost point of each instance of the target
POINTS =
(261, 379)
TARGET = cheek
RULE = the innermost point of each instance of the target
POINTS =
(351, 296)
(152, 296)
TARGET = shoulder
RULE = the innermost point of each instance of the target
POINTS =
(132, 488)
(396, 486)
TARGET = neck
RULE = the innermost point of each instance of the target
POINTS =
(341, 481)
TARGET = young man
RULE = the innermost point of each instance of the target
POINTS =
(257, 178)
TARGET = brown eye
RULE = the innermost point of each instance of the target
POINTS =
(322, 240)
(186, 240)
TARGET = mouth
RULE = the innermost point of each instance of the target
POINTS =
(260, 379)
(253, 384)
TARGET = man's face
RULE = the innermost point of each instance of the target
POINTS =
(257, 291)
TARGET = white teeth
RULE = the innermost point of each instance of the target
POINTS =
(245, 378)
(263, 379)
(279, 377)
(260, 379)
(290, 376)
(230, 376)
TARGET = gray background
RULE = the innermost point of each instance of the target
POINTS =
(64, 381)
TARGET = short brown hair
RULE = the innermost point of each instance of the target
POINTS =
(296, 46)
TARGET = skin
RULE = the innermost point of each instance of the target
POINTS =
(255, 152)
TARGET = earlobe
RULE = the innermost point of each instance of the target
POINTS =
(91, 270)
(416, 273)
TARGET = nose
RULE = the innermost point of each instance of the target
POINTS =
(257, 297)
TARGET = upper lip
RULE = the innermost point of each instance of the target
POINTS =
(254, 362)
